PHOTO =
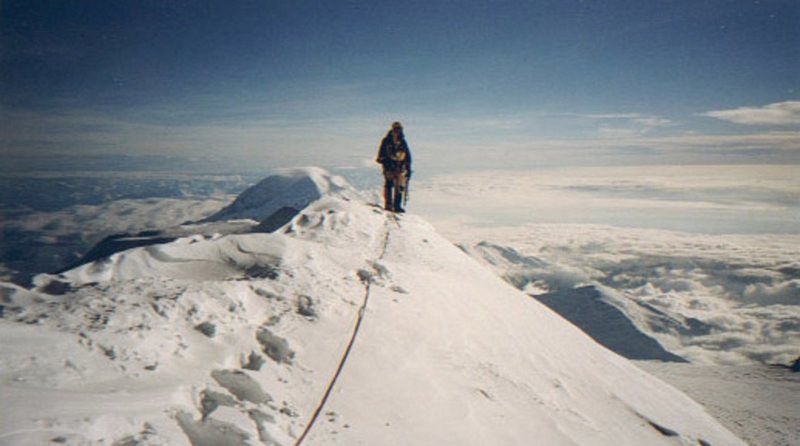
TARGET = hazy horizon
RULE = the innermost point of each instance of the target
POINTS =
(479, 85)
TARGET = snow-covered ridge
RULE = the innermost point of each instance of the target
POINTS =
(235, 339)
(290, 188)
(264, 207)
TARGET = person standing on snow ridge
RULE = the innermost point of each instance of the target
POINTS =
(395, 157)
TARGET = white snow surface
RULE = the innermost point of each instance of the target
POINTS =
(294, 188)
(163, 344)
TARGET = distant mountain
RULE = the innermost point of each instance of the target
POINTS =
(345, 325)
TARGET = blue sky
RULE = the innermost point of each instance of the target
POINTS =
(479, 84)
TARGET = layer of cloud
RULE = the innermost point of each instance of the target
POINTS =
(708, 296)
(625, 125)
(779, 114)
(689, 198)
(339, 127)
(711, 299)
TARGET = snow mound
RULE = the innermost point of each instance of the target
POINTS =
(349, 325)
(288, 188)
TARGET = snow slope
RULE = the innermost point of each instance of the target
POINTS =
(292, 188)
(237, 339)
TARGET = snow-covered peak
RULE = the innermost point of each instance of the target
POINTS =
(291, 188)
(349, 325)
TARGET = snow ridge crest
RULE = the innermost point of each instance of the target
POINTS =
(292, 188)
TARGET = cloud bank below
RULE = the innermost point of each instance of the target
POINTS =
(711, 299)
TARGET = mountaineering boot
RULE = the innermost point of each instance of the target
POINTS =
(387, 197)
(398, 198)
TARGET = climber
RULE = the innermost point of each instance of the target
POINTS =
(395, 157)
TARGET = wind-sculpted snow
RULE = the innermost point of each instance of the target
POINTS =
(47, 241)
(446, 353)
(265, 207)
(80, 223)
(50, 220)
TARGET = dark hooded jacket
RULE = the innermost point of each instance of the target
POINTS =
(390, 154)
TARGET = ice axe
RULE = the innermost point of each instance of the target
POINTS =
(408, 189)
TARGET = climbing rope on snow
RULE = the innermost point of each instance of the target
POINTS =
(361, 311)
